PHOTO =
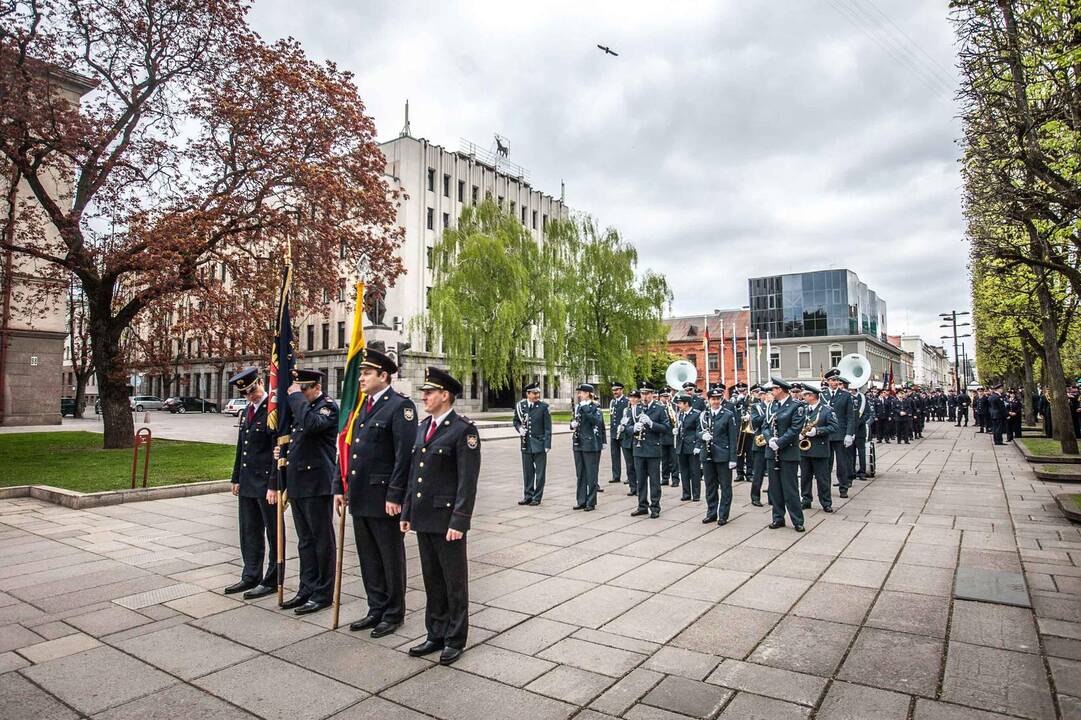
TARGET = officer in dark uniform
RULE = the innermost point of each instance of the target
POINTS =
(819, 424)
(758, 452)
(625, 436)
(380, 451)
(652, 423)
(845, 435)
(784, 420)
(439, 507)
(688, 449)
(615, 416)
(1043, 408)
(718, 429)
(996, 411)
(857, 454)
(697, 401)
(310, 477)
(533, 421)
(669, 463)
(982, 417)
(963, 401)
(1014, 412)
(587, 440)
(251, 471)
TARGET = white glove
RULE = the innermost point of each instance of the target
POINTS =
(522, 432)
(697, 450)
(731, 466)
(812, 432)
(638, 426)
(849, 439)
(706, 436)
(647, 421)
(626, 420)
(675, 432)
(574, 424)
(774, 445)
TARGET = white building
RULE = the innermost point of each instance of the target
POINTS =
(437, 184)
(931, 366)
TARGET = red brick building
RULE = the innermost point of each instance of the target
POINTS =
(685, 339)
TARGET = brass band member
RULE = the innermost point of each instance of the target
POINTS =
(616, 409)
(669, 463)
(758, 444)
(625, 435)
(533, 421)
(688, 448)
(815, 449)
(784, 420)
(719, 430)
(588, 441)
(651, 425)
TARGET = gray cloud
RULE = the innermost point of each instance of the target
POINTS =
(726, 141)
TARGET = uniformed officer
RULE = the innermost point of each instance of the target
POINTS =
(310, 476)
(378, 460)
(651, 424)
(718, 430)
(669, 463)
(996, 411)
(688, 448)
(963, 403)
(251, 472)
(625, 436)
(587, 440)
(905, 416)
(819, 424)
(857, 453)
(439, 507)
(781, 429)
(758, 452)
(742, 402)
(845, 435)
(533, 421)
(615, 416)
(697, 401)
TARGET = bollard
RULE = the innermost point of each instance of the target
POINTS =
(146, 418)
(142, 438)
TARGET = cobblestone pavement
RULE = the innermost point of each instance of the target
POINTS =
(118, 613)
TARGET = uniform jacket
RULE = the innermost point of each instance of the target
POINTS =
(963, 400)
(825, 426)
(443, 476)
(698, 403)
(589, 436)
(312, 469)
(687, 427)
(758, 419)
(907, 407)
(784, 422)
(651, 436)
(380, 453)
(668, 440)
(890, 407)
(626, 440)
(539, 419)
(725, 431)
(254, 454)
(864, 410)
(615, 416)
(841, 403)
(996, 407)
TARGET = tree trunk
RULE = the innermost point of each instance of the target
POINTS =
(1030, 387)
(80, 394)
(119, 426)
(1056, 385)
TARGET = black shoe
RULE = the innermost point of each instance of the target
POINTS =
(756, 503)
(722, 522)
(827, 509)
(654, 515)
(636, 513)
(843, 493)
(239, 587)
(311, 606)
(524, 502)
(364, 623)
(708, 519)
(775, 525)
(579, 507)
(383, 629)
(258, 591)
(449, 655)
(614, 481)
(600, 489)
(295, 602)
(806, 504)
(685, 498)
(631, 493)
(534, 502)
(590, 508)
(426, 648)
(799, 528)
(862, 477)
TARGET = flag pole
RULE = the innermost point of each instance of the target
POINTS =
(705, 344)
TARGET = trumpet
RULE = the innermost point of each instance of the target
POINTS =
(804, 440)
(744, 430)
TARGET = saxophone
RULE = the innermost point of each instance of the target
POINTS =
(804, 440)
(760, 438)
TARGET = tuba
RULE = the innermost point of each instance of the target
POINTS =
(856, 368)
(680, 372)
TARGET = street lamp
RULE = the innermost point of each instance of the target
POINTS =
(952, 316)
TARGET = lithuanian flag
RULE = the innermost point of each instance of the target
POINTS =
(352, 398)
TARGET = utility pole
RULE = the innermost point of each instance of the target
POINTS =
(951, 318)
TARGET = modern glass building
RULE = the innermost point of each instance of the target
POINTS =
(816, 304)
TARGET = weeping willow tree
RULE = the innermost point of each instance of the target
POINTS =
(499, 297)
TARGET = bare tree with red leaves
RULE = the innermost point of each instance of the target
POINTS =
(201, 145)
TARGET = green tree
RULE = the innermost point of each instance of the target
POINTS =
(615, 314)
(651, 363)
(496, 291)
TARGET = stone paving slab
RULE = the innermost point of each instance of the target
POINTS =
(118, 612)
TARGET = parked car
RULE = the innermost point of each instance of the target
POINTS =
(145, 402)
(67, 407)
(235, 406)
(186, 403)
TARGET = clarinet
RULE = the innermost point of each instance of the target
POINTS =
(577, 424)
(776, 454)
(707, 423)
(523, 417)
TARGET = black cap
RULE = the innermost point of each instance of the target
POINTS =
(635, 393)
(812, 389)
(740, 386)
(681, 398)
(798, 387)
(832, 372)
(617, 385)
(755, 387)
(372, 358)
(665, 393)
(720, 386)
(439, 379)
(716, 392)
(688, 385)
(585, 387)
(532, 387)
(843, 380)
(244, 379)
(308, 377)
(646, 387)
(776, 382)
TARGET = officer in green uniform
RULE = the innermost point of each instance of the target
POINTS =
(820, 423)
(533, 421)
(616, 408)
(718, 430)
(651, 425)
(783, 422)
(588, 437)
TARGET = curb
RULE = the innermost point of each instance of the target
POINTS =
(1056, 459)
(1068, 507)
(1071, 474)
(81, 501)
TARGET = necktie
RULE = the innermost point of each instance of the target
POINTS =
(368, 405)
(431, 431)
(251, 413)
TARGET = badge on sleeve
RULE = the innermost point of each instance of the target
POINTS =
(472, 441)
(409, 414)
(324, 411)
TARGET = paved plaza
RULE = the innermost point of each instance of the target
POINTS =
(117, 612)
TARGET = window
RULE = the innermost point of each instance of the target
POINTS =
(714, 362)
(341, 292)
(473, 386)
(311, 337)
(500, 202)
(430, 251)
(523, 222)
(431, 218)
(693, 359)
(804, 359)
(326, 336)
(431, 179)
(428, 298)
(512, 206)
(476, 194)
(446, 186)
(341, 333)
(740, 360)
(774, 359)
(835, 355)
(544, 223)
(555, 388)
(326, 295)
(534, 219)
(446, 220)
(339, 373)
(461, 191)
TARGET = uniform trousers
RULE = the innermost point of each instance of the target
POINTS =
(962, 414)
(857, 455)
(632, 477)
(996, 429)
(839, 457)
(534, 468)
(314, 523)
(817, 469)
(381, 549)
(586, 467)
(258, 532)
(784, 490)
(717, 476)
(616, 452)
(647, 470)
(904, 429)
(445, 567)
(743, 460)
(758, 472)
(669, 465)
(883, 429)
(690, 473)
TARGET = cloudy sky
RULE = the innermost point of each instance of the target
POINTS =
(727, 140)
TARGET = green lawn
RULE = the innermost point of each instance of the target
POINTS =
(1041, 446)
(75, 460)
(1077, 500)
